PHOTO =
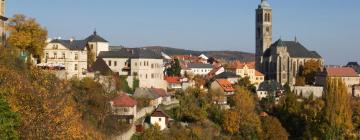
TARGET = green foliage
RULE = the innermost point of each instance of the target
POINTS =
(175, 69)
(122, 84)
(152, 133)
(9, 121)
(136, 84)
(27, 34)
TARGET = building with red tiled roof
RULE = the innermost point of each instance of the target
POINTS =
(124, 107)
(347, 74)
(224, 85)
(247, 70)
(173, 82)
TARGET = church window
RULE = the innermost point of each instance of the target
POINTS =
(267, 29)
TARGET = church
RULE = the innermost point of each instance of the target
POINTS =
(281, 60)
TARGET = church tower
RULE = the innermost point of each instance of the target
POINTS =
(263, 30)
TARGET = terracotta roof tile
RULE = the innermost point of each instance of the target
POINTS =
(172, 79)
(341, 72)
(123, 100)
(257, 73)
(226, 85)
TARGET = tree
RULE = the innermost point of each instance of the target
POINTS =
(356, 115)
(28, 35)
(245, 82)
(337, 111)
(175, 68)
(152, 133)
(231, 122)
(273, 129)
(9, 121)
(306, 74)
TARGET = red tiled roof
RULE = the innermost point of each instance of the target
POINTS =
(159, 113)
(257, 73)
(226, 85)
(172, 79)
(123, 100)
(341, 72)
(239, 65)
(159, 91)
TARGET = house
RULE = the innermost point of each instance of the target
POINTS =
(346, 74)
(224, 85)
(165, 97)
(160, 118)
(230, 76)
(198, 68)
(269, 88)
(71, 56)
(247, 70)
(147, 93)
(173, 82)
(139, 64)
(124, 107)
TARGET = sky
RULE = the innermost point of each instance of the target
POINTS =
(330, 27)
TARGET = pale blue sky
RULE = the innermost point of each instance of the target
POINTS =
(330, 27)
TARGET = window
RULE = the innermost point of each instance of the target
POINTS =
(76, 56)
(109, 62)
(159, 119)
(55, 46)
(152, 65)
(63, 55)
(91, 46)
(76, 67)
(55, 55)
(146, 76)
(47, 55)
(140, 63)
(152, 76)
(115, 63)
(135, 63)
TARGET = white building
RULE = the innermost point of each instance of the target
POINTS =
(138, 64)
(198, 68)
(71, 56)
(160, 118)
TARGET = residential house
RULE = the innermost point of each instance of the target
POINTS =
(230, 76)
(173, 82)
(160, 118)
(165, 97)
(124, 107)
(147, 93)
(346, 74)
(247, 70)
(198, 68)
(270, 88)
(223, 85)
(139, 64)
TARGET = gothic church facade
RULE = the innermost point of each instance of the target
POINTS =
(281, 60)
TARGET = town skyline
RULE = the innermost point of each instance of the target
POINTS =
(231, 27)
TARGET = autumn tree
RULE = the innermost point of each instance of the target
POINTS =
(337, 111)
(28, 35)
(356, 115)
(306, 74)
(273, 129)
(245, 82)
(152, 133)
(231, 122)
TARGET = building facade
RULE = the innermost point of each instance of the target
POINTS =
(139, 64)
(72, 55)
(281, 60)
(247, 70)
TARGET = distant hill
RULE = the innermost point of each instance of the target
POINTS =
(227, 55)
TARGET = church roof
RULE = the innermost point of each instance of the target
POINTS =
(95, 38)
(71, 44)
(294, 48)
